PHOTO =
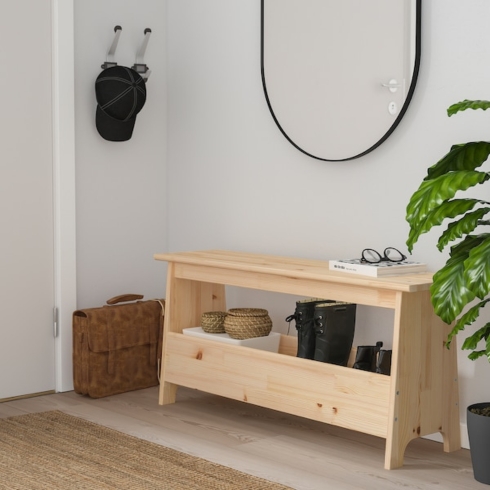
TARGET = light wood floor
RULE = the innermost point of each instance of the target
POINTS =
(303, 454)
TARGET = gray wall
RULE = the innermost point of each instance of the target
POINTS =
(120, 187)
(235, 183)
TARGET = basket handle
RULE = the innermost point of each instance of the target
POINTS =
(123, 298)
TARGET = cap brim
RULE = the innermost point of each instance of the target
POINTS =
(113, 129)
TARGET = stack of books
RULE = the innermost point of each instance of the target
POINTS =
(355, 266)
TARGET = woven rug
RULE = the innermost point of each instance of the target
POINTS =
(53, 450)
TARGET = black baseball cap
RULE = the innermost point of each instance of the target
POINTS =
(121, 94)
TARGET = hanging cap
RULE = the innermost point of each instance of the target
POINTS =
(120, 94)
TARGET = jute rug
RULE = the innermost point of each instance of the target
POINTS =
(53, 450)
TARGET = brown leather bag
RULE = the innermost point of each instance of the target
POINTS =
(117, 348)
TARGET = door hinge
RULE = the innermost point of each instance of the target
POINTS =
(55, 322)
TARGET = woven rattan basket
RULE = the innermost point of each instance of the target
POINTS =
(247, 323)
(213, 321)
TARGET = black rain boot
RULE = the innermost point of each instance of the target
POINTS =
(383, 365)
(334, 328)
(303, 316)
(366, 357)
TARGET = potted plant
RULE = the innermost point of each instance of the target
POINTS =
(461, 288)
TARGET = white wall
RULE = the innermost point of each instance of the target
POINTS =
(231, 179)
(235, 183)
(120, 187)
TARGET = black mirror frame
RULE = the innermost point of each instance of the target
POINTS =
(413, 83)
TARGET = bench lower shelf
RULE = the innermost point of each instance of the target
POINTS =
(327, 393)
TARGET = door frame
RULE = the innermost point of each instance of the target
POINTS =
(63, 104)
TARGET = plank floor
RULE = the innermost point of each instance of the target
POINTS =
(303, 454)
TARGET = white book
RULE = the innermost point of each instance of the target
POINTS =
(355, 266)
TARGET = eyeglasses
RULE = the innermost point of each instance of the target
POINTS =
(390, 254)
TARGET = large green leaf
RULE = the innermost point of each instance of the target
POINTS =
(447, 209)
(449, 291)
(466, 156)
(449, 294)
(432, 193)
(462, 227)
(468, 104)
(477, 269)
(467, 319)
(463, 248)
(476, 354)
(471, 343)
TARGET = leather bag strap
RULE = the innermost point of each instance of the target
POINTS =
(124, 298)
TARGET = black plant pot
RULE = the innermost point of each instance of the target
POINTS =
(479, 436)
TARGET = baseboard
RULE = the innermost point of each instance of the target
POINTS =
(29, 395)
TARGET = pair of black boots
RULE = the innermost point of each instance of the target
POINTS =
(373, 358)
(325, 330)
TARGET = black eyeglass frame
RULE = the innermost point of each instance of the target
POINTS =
(384, 257)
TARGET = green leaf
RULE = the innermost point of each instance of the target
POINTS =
(471, 343)
(467, 319)
(447, 209)
(477, 269)
(476, 354)
(449, 294)
(432, 193)
(468, 104)
(463, 226)
(466, 156)
(464, 247)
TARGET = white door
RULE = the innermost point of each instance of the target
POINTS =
(27, 354)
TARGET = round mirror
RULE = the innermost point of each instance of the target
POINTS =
(338, 75)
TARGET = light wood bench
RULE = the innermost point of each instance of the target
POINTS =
(419, 398)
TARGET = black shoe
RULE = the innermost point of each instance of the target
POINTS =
(334, 329)
(383, 365)
(303, 316)
(366, 357)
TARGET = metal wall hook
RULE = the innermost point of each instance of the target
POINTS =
(112, 50)
(140, 65)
